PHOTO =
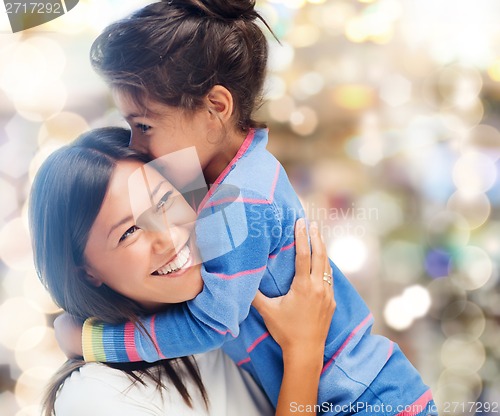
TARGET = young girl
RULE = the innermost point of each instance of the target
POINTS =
(189, 74)
(94, 265)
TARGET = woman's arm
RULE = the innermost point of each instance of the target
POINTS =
(299, 322)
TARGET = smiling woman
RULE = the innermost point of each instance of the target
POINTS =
(112, 240)
(98, 260)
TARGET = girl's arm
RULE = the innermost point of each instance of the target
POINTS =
(299, 322)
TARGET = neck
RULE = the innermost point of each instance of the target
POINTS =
(229, 146)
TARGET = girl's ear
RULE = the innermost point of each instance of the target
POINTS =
(90, 278)
(220, 103)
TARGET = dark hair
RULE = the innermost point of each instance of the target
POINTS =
(66, 197)
(174, 52)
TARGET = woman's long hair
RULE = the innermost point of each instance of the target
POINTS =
(66, 197)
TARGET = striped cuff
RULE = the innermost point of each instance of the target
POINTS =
(92, 345)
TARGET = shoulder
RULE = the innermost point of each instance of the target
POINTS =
(97, 389)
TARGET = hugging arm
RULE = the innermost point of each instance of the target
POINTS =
(231, 281)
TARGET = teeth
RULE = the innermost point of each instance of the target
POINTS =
(179, 261)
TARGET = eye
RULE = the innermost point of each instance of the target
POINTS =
(143, 127)
(129, 232)
(164, 202)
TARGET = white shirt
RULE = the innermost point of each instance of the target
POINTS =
(98, 390)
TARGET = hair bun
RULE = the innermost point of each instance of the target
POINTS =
(224, 9)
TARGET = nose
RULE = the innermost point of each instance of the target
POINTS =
(162, 241)
(164, 235)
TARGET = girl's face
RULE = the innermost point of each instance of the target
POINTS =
(141, 244)
(159, 130)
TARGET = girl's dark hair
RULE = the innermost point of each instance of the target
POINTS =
(174, 52)
(66, 197)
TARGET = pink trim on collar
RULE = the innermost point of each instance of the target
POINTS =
(241, 151)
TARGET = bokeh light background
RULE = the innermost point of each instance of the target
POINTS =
(386, 115)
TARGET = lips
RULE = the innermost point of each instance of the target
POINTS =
(176, 264)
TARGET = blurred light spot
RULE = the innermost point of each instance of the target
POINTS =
(281, 109)
(43, 153)
(474, 173)
(30, 338)
(42, 103)
(8, 403)
(274, 88)
(418, 299)
(489, 240)
(311, 83)
(9, 200)
(463, 318)
(36, 342)
(445, 292)
(33, 410)
(304, 121)
(294, 4)
(34, 290)
(437, 263)
(349, 253)
(457, 386)
(17, 315)
(31, 385)
(30, 64)
(333, 17)
(280, 56)
(382, 210)
(494, 70)
(395, 90)
(461, 120)
(64, 127)
(475, 209)
(354, 97)
(491, 335)
(356, 31)
(459, 86)
(31, 78)
(16, 153)
(447, 229)
(15, 245)
(371, 143)
(303, 35)
(463, 352)
(485, 138)
(475, 267)
(401, 311)
(397, 314)
(402, 261)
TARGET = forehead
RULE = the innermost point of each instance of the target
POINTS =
(130, 107)
(133, 184)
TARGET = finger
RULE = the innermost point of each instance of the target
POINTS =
(329, 271)
(260, 302)
(318, 252)
(302, 251)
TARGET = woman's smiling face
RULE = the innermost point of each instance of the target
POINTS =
(141, 244)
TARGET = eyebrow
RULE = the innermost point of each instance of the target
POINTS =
(130, 218)
(133, 115)
(120, 223)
